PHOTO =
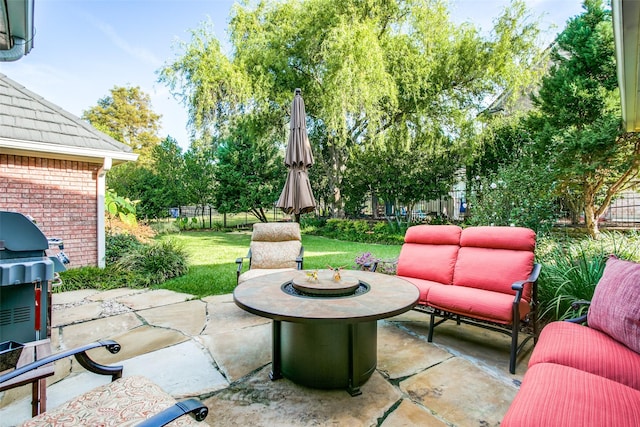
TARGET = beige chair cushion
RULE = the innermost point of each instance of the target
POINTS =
(256, 272)
(275, 254)
(276, 232)
(124, 402)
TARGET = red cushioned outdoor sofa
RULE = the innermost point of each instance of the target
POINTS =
(485, 276)
(587, 376)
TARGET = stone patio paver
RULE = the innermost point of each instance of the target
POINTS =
(72, 297)
(138, 341)
(409, 414)
(77, 314)
(241, 351)
(401, 354)
(225, 315)
(182, 370)
(155, 298)
(188, 317)
(460, 392)
(258, 401)
(78, 334)
(114, 293)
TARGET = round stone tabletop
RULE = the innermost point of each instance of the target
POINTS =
(387, 296)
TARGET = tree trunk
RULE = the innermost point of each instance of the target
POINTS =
(590, 212)
(591, 221)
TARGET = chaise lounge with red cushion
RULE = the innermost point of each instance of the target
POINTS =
(484, 276)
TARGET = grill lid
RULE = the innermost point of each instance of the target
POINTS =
(19, 234)
(22, 251)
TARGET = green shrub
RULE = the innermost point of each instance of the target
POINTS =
(165, 227)
(94, 278)
(571, 270)
(185, 223)
(311, 223)
(362, 231)
(155, 263)
(118, 244)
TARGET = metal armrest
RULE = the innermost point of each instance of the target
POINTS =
(576, 305)
(191, 406)
(533, 278)
(239, 262)
(82, 358)
(300, 259)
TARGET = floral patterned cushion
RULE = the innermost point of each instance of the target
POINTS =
(124, 402)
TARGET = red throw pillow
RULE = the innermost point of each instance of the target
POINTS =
(615, 307)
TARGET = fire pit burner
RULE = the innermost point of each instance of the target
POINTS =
(325, 284)
(319, 291)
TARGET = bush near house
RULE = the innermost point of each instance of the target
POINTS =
(129, 263)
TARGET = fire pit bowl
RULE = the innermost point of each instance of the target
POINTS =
(325, 285)
(10, 352)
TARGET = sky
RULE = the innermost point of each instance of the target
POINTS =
(83, 48)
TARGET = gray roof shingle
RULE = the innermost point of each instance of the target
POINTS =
(31, 118)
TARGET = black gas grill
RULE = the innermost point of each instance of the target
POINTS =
(25, 275)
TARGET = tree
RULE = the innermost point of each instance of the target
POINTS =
(582, 140)
(199, 178)
(403, 172)
(368, 70)
(508, 183)
(126, 116)
(250, 171)
(169, 167)
(155, 186)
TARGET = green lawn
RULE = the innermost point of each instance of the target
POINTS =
(212, 258)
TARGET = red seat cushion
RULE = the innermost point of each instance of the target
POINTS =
(556, 396)
(477, 303)
(423, 287)
(589, 350)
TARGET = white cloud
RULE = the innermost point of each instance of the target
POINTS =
(139, 53)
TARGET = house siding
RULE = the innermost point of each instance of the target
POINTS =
(61, 197)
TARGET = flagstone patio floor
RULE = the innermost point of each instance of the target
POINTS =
(211, 349)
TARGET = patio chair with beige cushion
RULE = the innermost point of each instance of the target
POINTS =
(274, 247)
(129, 401)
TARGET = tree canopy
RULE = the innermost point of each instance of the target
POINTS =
(371, 72)
(582, 140)
(127, 116)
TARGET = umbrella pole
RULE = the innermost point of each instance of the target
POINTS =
(297, 218)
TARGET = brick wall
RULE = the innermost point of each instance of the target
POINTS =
(60, 195)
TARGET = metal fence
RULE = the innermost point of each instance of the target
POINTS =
(623, 212)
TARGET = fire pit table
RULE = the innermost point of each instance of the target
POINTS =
(325, 331)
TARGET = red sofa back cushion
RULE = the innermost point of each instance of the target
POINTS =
(615, 309)
(430, 252)
(493, 258)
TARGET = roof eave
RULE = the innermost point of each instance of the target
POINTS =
(626, 24)
(63, 152)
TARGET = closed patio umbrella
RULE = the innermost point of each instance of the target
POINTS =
(297, 196)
